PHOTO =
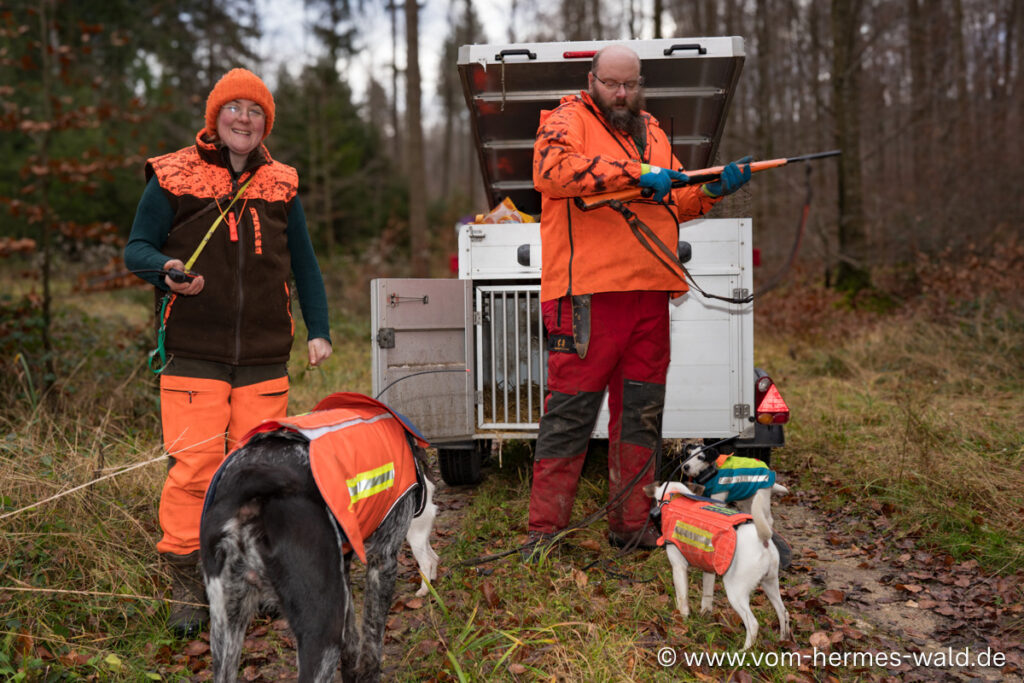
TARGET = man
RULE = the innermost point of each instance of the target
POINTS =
(604, 295)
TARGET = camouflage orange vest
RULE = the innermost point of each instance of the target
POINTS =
(704, 530)
(243, 315)
(577, 154)
(360, 457)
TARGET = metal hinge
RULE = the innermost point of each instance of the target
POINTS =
(476, 234)
(740, 293)
(478, 318)
(386, 337)
(478, 397)
(741, 410)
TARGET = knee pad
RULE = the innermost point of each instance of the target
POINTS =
(642, 406)
(567, 424)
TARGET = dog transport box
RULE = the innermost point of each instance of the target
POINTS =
(464, 358)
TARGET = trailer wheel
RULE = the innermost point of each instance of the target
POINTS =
(460, 466)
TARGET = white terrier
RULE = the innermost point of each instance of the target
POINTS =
(752, 560)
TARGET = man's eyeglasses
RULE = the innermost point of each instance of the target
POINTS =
(614, 86)
(236, 110)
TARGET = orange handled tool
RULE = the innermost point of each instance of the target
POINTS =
(695, 177)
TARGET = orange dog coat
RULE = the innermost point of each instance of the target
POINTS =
(704, 530)
(360, 457)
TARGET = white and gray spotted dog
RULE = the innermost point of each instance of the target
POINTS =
(267, 537)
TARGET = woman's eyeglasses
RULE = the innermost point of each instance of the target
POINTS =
(237, 110)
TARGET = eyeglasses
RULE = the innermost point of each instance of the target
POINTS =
(236, 110)
(614, 86)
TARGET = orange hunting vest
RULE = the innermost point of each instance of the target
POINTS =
(576, 154)
(704, 530)
(360, 458)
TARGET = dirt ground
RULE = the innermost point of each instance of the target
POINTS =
(907, 600)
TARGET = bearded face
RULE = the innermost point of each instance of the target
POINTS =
(621, 108)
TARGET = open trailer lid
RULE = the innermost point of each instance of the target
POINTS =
(688, 85)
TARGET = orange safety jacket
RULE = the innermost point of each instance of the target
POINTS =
(243, 316)
(704, 530)
(577, 153)
(361, 459)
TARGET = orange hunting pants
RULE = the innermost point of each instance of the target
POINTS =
(203, 419)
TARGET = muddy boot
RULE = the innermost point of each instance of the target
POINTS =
(189, 613)
(640, 539)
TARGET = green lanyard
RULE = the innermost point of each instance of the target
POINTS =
(161, 334)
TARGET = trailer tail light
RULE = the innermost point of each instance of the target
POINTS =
(579, 54)
(771, 407)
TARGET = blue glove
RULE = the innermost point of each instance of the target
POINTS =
(731, 179)
(659, 180)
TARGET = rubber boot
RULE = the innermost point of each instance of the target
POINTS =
(189, 612)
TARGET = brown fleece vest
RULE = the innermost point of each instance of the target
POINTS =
(243, 315)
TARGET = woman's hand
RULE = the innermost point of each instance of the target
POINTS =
(319, 351)
(189, 288)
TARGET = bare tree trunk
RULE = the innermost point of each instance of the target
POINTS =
(314, 212)
(595, 16)
(448, 98)
(46, 9)
(852, 273)
(326, 178)
(659, 9)
(396, 138)
(417, 173)
(964, 129)
(918, 48)
(764, 132)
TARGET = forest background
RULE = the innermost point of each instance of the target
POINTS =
(922, 97)
(898, 334)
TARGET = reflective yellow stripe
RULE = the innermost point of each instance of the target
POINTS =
(694, 536)
(370, 482)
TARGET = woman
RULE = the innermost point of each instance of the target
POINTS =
(232, 214)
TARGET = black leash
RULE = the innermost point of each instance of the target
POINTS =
(583, 523)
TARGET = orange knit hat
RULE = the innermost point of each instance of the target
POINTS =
(239, 84)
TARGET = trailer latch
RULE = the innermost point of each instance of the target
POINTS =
(394, 299)
(386, 337)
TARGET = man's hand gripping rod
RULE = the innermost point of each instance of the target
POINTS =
(695, 177)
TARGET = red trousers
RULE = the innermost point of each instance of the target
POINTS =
(628, 354)
(202, 420)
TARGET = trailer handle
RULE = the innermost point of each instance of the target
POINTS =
(686, 46)
(500, 57)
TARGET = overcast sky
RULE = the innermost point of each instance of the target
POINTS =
(286, 40)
